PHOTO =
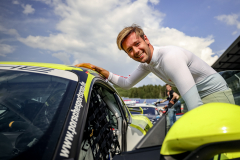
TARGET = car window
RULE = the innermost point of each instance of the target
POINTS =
(124, 107)
(28, 103)
(2, 109)
(100, 140)
(233, 80)
(150, 111)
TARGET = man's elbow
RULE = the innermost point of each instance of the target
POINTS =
(127, 85)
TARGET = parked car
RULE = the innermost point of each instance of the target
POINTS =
(149, 110)
(52, 111)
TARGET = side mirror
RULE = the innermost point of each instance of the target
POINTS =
(203, 132)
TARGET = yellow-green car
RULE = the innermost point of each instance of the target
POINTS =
(53, 111)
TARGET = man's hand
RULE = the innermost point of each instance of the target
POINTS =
(171, 102)
(100, 70)
(86, 65)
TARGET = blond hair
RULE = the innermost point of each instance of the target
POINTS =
(126, 32)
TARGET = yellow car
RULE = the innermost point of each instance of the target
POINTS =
(53, 111)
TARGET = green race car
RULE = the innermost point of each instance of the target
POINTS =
(53, 111)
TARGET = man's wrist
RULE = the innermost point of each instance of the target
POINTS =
(103, 72)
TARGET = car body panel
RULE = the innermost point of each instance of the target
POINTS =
(42, 70)
(231, 155)
(87, 86)
(136, 109)
(137, 130)
(45, 65)
(190, 131)
(141, 122)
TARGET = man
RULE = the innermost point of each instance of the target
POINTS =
(172, 98)
(196, 81)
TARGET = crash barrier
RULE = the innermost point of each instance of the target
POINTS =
(99, 134)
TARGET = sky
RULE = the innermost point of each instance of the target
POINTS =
(76, 31)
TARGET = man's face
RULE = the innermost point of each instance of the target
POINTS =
(137, 48)
(169, 88)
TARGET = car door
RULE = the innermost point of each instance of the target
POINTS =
(105, 126)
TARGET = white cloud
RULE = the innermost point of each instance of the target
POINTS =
(170, 36)
(229, 20)
(5, 49)
(219, 53)
(154, 1)
(28, 9)
(235, 32)
(36, 20)
(63, 57)
(87, 30)
(46, 1)
(15, 2)
(11, 32)
(54, 42)
(75, 62)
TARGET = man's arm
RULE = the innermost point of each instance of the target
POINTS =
(163, 100)
(100, 70)
(175, 96)
(180, 75)
(160, 101)
(123, 82)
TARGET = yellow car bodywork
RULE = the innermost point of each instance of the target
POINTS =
(209, 123)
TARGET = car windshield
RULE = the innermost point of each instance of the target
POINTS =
(29, 107)
(150, 110)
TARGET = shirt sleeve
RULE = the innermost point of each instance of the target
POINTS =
(175, 66)
(129, 81)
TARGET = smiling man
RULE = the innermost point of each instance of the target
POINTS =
(196, 81)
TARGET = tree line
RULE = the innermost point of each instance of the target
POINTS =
(145, 91)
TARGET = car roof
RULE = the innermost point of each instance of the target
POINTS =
(77, 70)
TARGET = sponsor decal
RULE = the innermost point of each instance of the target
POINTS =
(71, 130)
(30, 68)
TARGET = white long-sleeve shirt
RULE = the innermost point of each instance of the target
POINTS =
(178, 67)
